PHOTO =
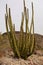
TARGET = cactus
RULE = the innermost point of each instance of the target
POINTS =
(25, 45)
(32, 24)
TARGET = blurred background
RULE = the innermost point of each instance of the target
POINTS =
(16, 13)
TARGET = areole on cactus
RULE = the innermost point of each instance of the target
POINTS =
(23, 47)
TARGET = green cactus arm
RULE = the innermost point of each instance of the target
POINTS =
(26, 37)
(6, 22)
(22, 32)
(7, 29)
(9, 35)
(32, 45)
(13, 35)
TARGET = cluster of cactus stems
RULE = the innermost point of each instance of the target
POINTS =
(23, 47)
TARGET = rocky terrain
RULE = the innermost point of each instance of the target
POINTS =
(7, 56)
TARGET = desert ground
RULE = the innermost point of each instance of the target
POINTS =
(7, 55)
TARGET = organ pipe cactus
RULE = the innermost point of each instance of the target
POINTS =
(25, 45)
